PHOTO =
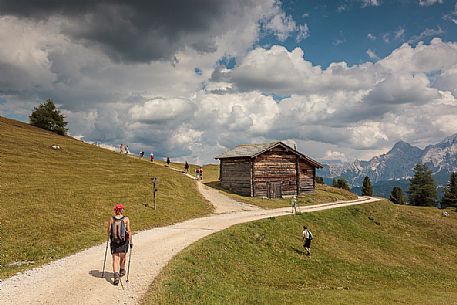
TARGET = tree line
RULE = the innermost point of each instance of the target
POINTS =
(422, 189)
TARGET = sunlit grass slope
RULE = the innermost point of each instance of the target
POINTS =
(56, 202)
(377, 253)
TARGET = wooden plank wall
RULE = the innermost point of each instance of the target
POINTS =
(306, 177)
(276, 165)
(236, 175)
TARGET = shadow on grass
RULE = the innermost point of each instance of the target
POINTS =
(297, 250)
(108, 275)
(217, 185)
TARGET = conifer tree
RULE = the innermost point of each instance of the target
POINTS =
(367, 188)
(450, 192)
(422, 188)
(340, 183)
(334, 182)
(397, 196)
(47, 116)
(319, 180)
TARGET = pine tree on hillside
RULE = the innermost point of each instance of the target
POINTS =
(397, 196)
(450, 192)
(340, 183)
(319, 180)
(422, 188)
(367, 188)
(47, 116)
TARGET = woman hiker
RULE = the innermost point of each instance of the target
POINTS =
(121, 237)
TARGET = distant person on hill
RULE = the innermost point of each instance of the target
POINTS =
(201, 173)
(141, 154)
(293, 203)
(197, 173)
(186, 167)
(168, 161)
(307, 237)
(121, 237)
(121, 148)
(151, 156)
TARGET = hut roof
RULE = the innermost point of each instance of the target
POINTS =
(253, 150)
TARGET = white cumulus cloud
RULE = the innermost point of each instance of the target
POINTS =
(429, 2)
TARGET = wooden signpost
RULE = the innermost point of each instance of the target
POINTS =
(154, 189)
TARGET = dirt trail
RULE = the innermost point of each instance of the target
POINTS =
(77, 279)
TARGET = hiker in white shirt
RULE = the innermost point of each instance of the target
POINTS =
(293, 203)
(307, 237)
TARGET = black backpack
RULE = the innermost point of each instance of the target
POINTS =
(119, 233)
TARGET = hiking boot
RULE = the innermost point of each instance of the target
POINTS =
(116, 279)
(122, 272)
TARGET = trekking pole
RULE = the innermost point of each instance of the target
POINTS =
(128, 269)
(104, 262)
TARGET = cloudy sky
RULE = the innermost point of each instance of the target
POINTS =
(342, 79)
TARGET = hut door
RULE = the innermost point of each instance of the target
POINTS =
(274, 190)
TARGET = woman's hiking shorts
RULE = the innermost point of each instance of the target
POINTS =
(120, 248)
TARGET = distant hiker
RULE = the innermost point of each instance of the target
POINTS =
(120, 237)
(141, 154)
(186, 167)
(121, 148)
(307, 237)
(201, 173)
(126, 149)
(293, 203)
(168, 161)
(197, 173)
(151, 157)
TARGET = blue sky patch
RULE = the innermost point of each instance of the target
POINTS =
(346, 30)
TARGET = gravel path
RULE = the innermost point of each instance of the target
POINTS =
(77, 279)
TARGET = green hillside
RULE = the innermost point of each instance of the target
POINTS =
(377, 253)
(56, 202)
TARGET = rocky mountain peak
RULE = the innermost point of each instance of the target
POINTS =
(449, 140)
(399, 162)
(402, 146)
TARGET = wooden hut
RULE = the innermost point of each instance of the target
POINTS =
(268, 170)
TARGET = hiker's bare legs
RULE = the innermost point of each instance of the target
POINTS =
(116, 262)
(308, 251)
(122, 258)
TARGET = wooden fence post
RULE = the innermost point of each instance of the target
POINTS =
(154, 189)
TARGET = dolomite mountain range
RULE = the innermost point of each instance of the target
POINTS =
(398, 163)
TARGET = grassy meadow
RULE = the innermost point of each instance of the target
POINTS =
(57, 202)
(377, 253)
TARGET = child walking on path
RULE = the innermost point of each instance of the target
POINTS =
(120, 237)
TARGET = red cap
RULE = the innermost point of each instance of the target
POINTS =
(118, 207)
